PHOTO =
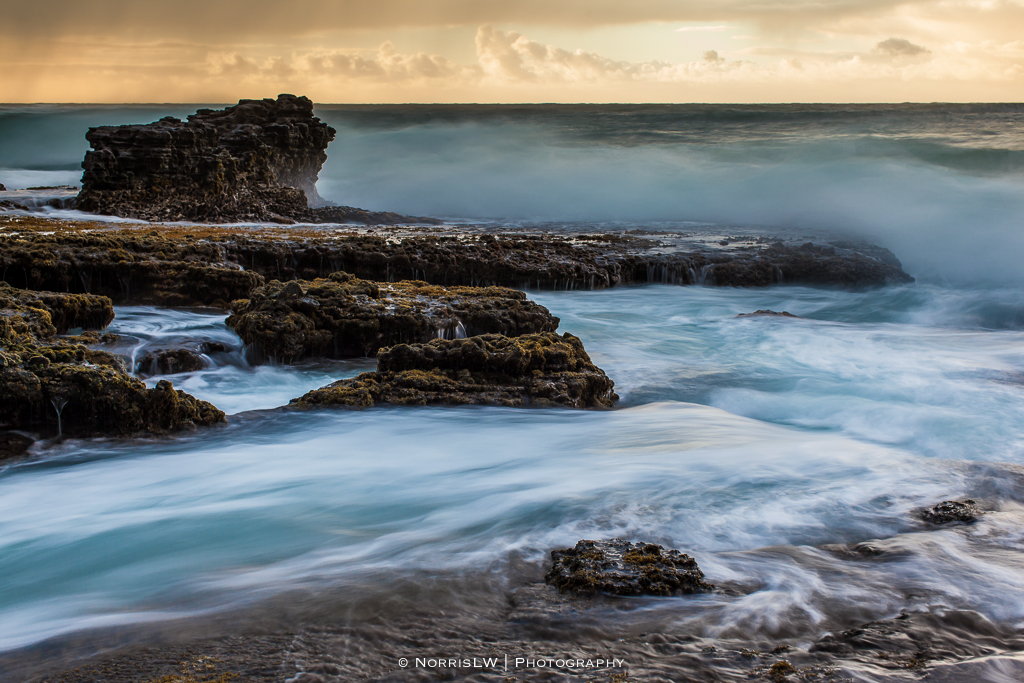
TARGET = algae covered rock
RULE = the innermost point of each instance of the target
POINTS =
(346, 316)
(51, 381)
(620, 567)
(540, 370)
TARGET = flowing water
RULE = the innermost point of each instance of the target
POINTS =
(770, 449)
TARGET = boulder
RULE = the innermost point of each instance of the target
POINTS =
(541, 370)
(346, 316)
(620, 567)
(256, 161)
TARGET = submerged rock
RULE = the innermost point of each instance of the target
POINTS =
(949, 511)
(623, 568)
(540, 370)
(767, 313)
(256, 161)
(46, 380)
(346, 316)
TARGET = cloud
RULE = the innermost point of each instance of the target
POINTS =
(510, 66)
(687, 29)
(899, 47)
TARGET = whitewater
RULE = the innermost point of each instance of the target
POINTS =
(782, 453)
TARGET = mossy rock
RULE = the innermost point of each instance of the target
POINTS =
(345, 316)
(621, 567)
(539, 370)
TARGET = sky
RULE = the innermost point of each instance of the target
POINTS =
(393, 51)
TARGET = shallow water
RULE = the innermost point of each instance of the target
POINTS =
(829, 429)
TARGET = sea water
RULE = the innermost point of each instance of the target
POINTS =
(765, 447)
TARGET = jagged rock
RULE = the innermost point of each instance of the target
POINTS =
(948, 511)
(346, 316)
(43, 379)
(623, 568)
(541, 370)
(2, 188)
(767, 313)
(256, 161)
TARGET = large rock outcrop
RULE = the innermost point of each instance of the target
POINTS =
(256, 161)
(345, 316)
(48, 382)
(541, 370)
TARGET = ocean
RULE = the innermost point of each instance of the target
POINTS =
(772, 450)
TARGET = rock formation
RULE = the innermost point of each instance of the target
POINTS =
(345, 316)
(540, 370)
(180, 266)
(49, 381)
(623, 568)
(255, 161)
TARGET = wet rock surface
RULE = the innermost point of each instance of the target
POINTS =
(46, 381)
(344, 316)
(179, 266)
(540, 370)
(624, 568)
(950, 511)
(169, 362)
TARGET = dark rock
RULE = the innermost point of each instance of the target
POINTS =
(623, 568)
(169, 362)
(176, 266)
(256, 161)
(346, 316)
(541, 370)
(949, 511)
(85, 392)
(767, 313)
(13, 444)
(2, 188)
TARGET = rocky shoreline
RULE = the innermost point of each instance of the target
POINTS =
(303, 292)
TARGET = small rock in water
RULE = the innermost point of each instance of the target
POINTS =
(170, 362)
(767, 312)
(2, 188)
(623, 568)
(948, 511)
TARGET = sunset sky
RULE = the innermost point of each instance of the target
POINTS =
(513, 50)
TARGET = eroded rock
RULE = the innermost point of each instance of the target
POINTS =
(347, 316)
(256, 161)
(620, 567)
(541, 370)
